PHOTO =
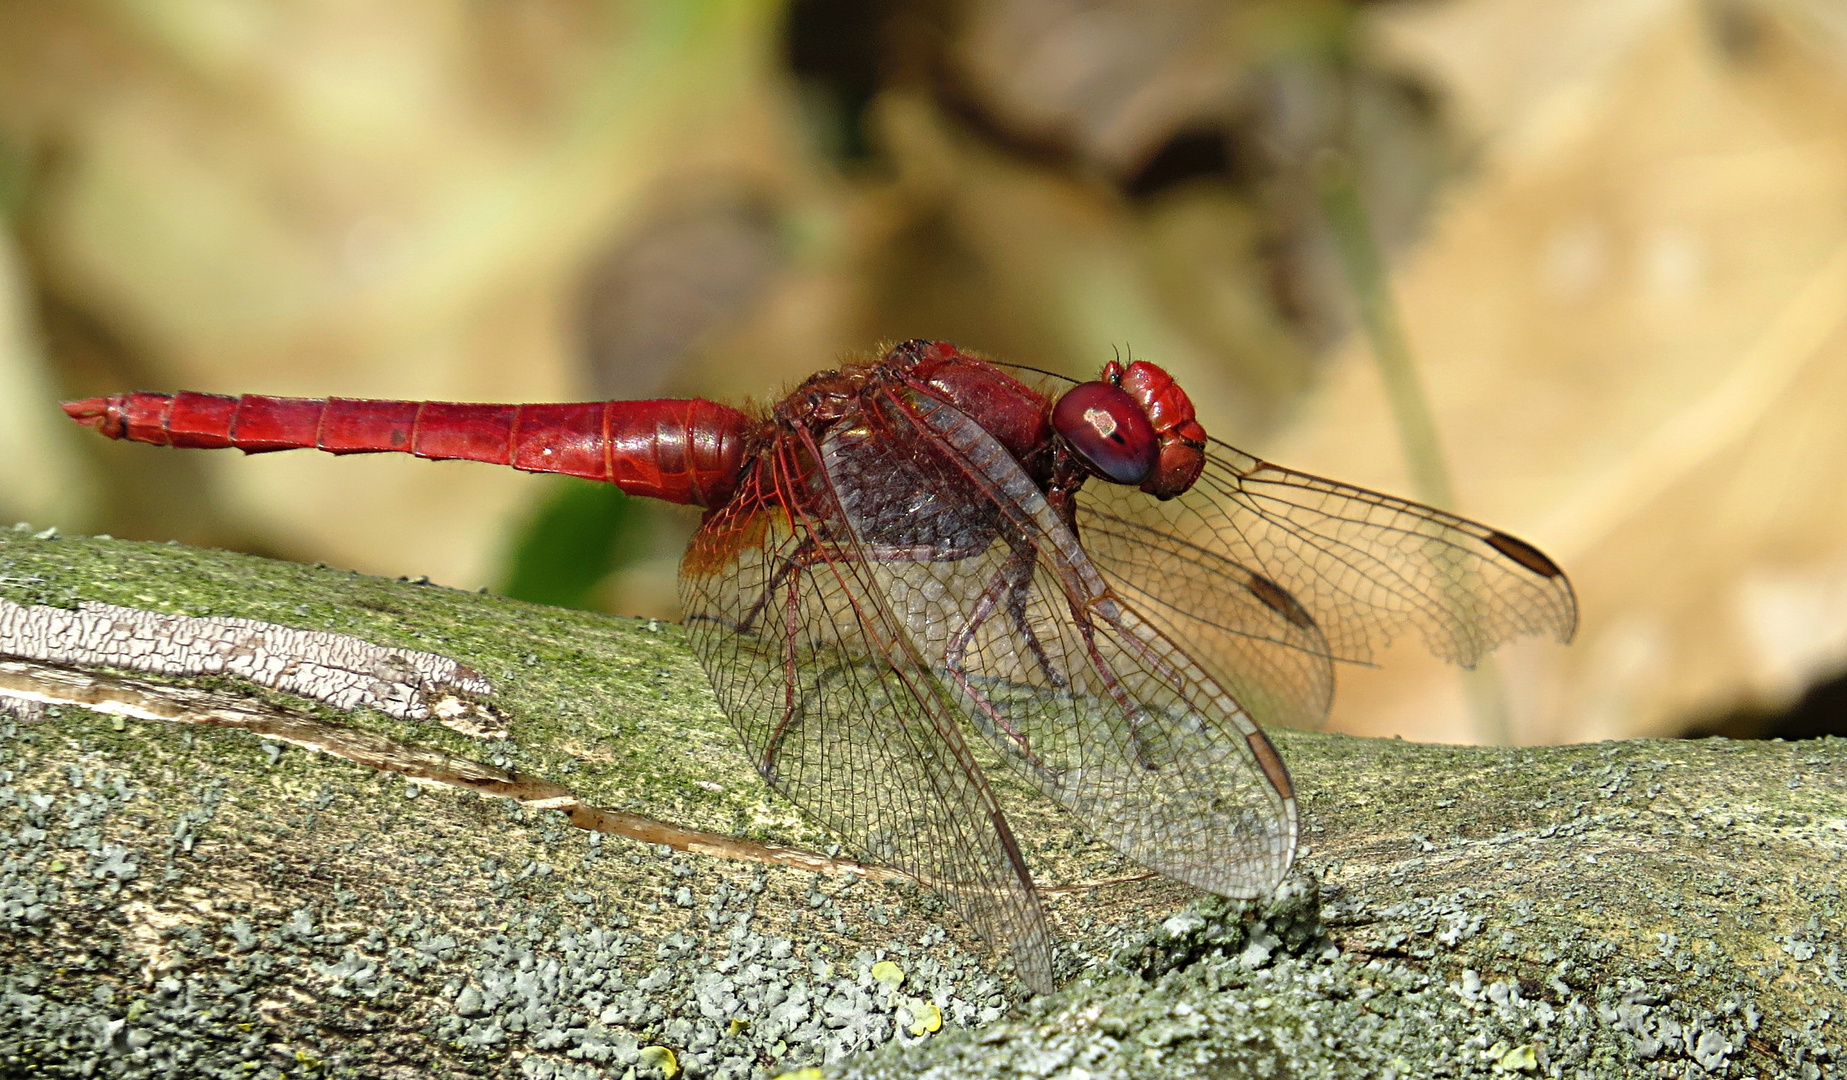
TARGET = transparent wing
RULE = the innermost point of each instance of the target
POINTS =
(1363, 567)
(1249, 632)
(1087, 699)
(838, 717)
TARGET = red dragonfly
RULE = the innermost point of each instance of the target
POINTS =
(905, 551)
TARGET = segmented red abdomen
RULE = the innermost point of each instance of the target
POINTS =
(684, 451)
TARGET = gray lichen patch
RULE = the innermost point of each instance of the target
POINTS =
(1679, 901)
(206, 911)
(1257, 991)
(1658, 885)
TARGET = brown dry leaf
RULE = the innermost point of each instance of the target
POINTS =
(1631, 327)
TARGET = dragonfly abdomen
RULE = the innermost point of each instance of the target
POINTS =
(684, 451)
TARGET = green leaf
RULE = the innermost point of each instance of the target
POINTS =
(580, 535)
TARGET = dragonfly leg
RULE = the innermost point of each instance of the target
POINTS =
(1017, 597)
(786, 577)
(1010, 581)
(810, 553)
(1105, 608)
(791, 696)
(803, 555)
(1131, 709)
(1060, 498)
(1129, 637)
(787, 580)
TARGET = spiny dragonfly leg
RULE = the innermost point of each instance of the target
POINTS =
(803, 554)
(1017, 598)
(1131, 709)
(787, 576)
(791, 696)
(1061, 501)
(1132, 640)
(809, 552)
(1105, 608)
(1011, 581)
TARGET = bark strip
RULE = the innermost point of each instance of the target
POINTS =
(42, 684)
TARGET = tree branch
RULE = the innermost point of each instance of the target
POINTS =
(185, 896)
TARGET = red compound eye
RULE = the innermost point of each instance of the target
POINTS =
(1109, 431)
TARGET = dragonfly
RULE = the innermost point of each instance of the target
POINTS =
(918, 568)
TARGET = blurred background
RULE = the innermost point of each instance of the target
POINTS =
(1611, 235)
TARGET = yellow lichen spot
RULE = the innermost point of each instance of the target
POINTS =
(928, 1018)
(1520, 1058)
(661, 1058)
(888, 973)
(809, 1073)
(737, 1024)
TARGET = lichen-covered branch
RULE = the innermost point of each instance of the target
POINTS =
(215, 899)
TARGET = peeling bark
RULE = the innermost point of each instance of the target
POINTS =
(179, 897)
(338, 669)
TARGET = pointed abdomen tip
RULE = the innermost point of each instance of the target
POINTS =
(88, 409)
(91, 412)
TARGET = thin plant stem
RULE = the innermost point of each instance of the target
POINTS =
(1417, 430)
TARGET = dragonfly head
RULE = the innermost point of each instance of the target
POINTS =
(1134, 425)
